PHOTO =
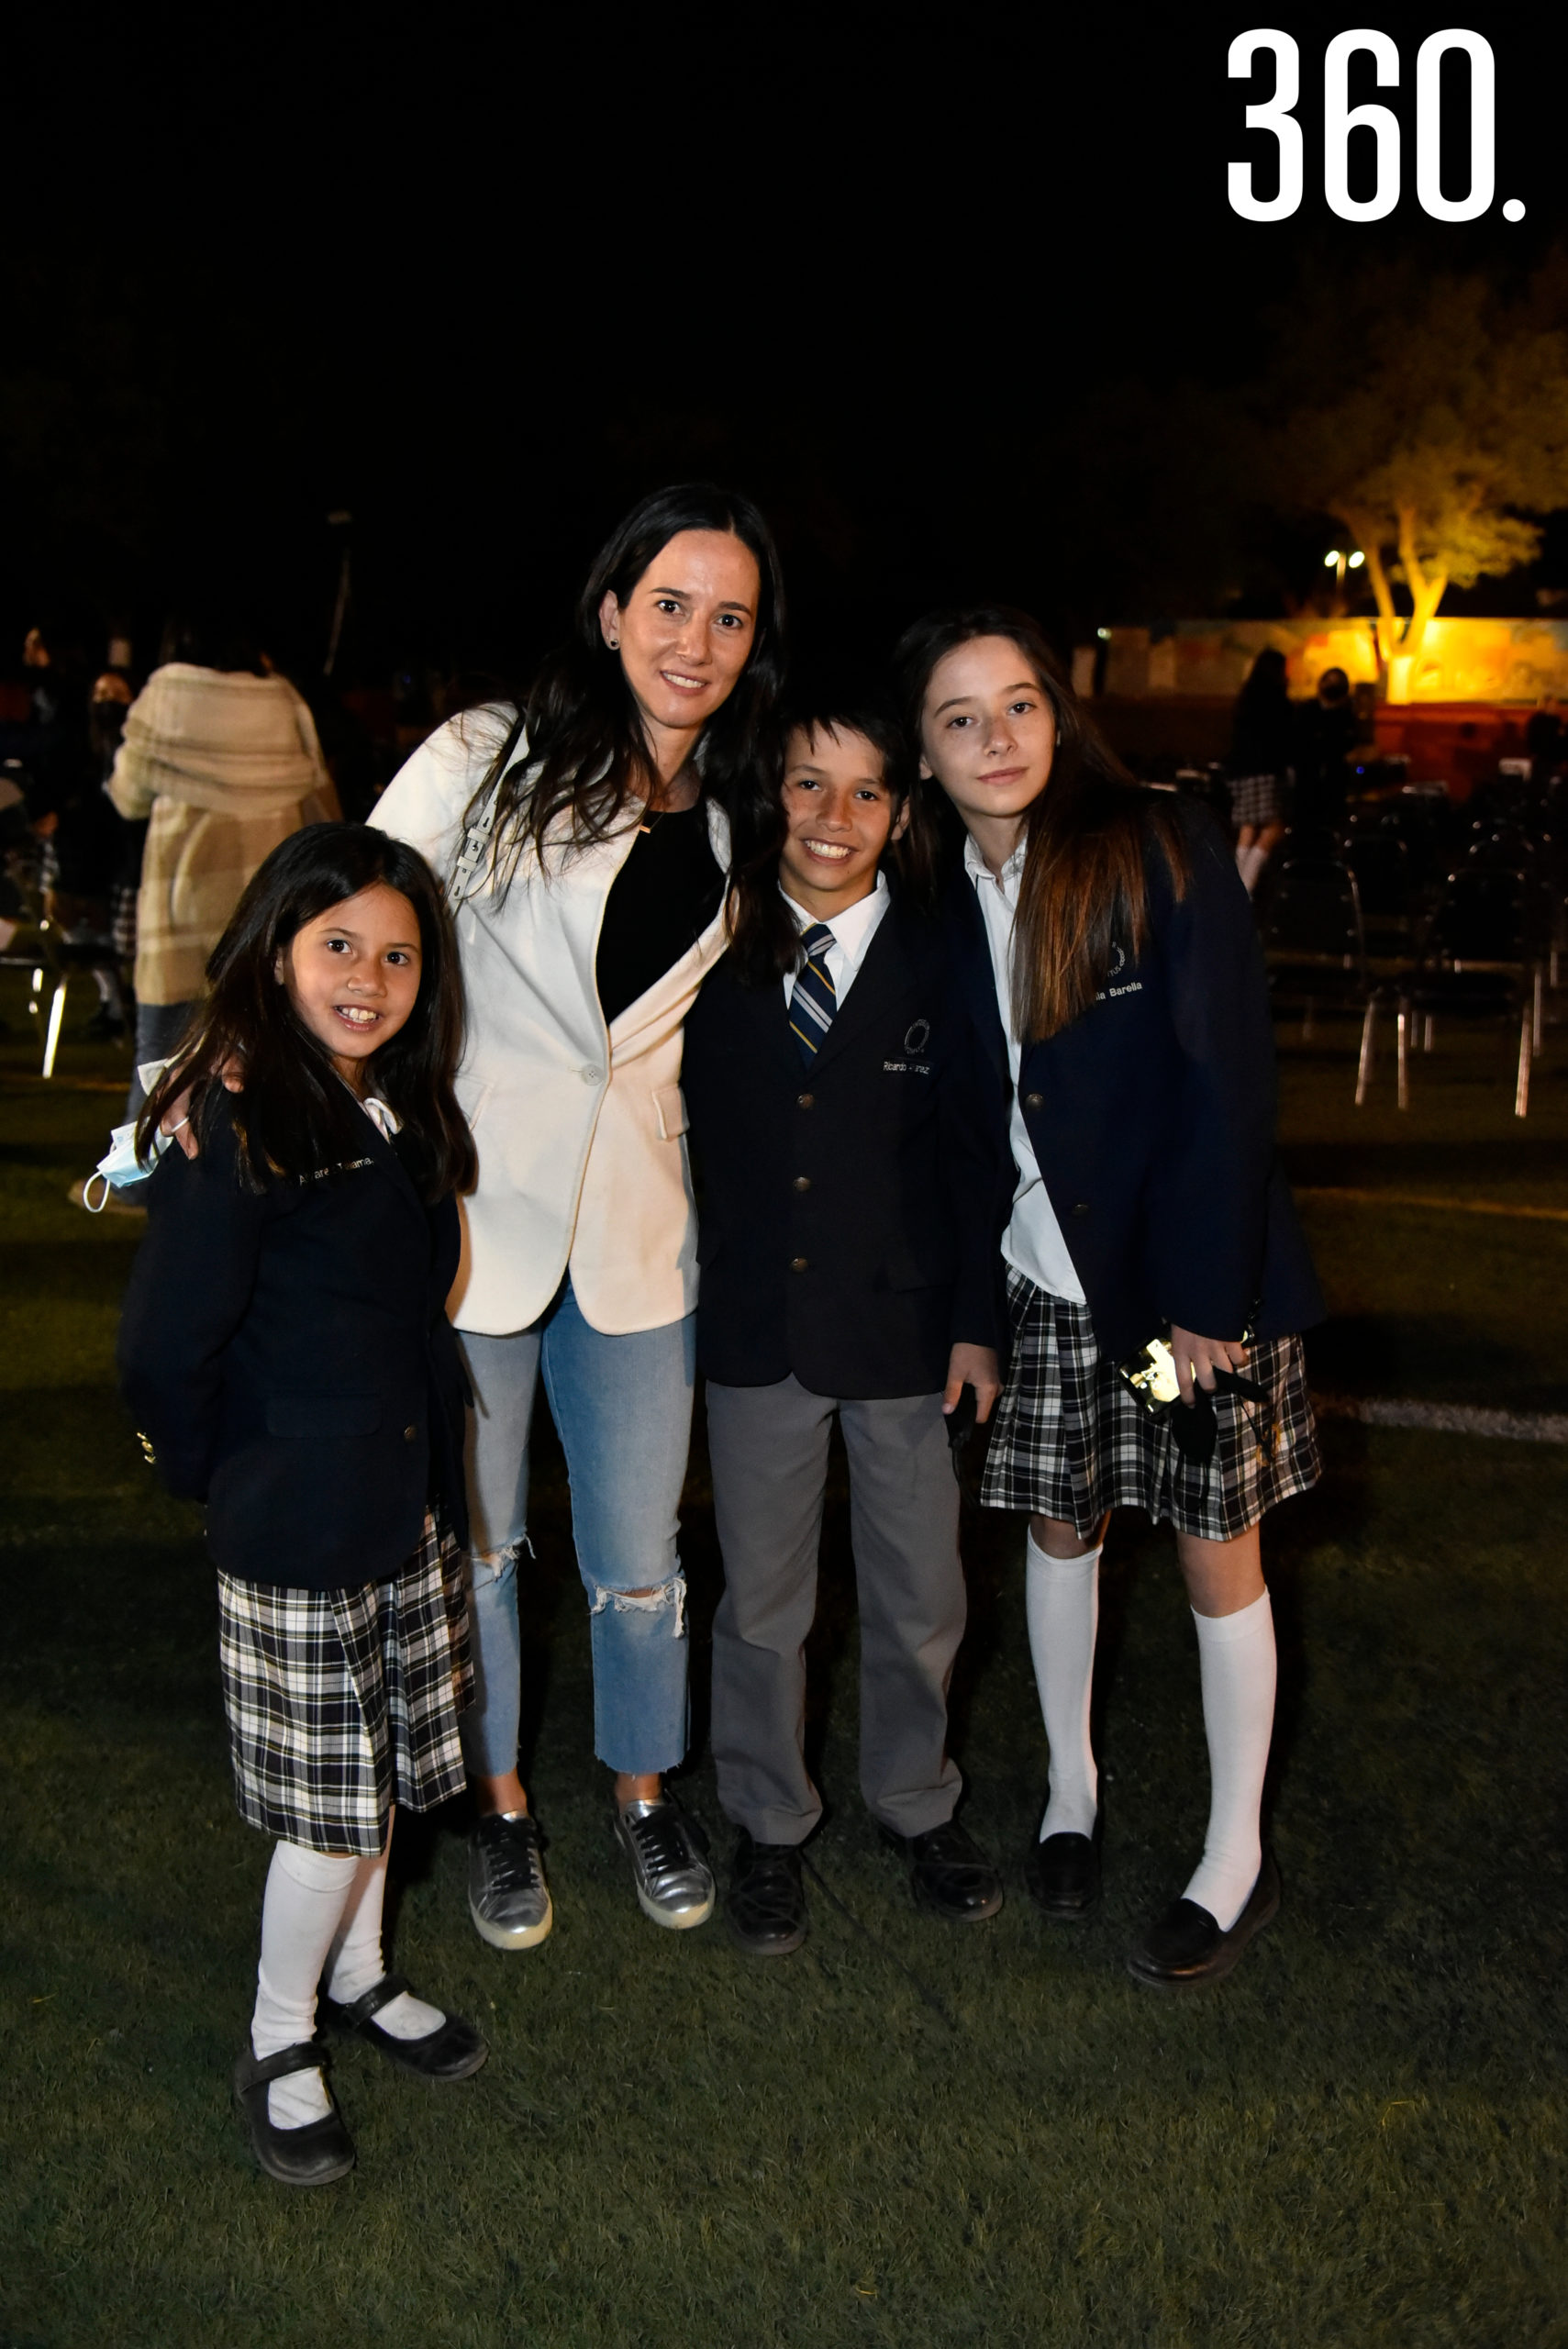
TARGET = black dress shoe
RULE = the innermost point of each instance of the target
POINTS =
(1063, 1876)
(451, 2051)
(1186, 1947)
(765, 1905)
(950, 1874)
(314, 2155)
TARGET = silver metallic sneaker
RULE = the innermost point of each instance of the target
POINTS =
(674, 1883)
(508, 1898)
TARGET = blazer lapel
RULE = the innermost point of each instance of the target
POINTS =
(382, 1155)
(885, 971)
(780, 1035)
(971, 961)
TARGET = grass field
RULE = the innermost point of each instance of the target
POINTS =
(907, 2134)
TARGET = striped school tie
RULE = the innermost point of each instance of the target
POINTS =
(812, 1001)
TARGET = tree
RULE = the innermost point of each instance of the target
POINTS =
(1441, 433)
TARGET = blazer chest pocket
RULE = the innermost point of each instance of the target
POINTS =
(323, 1415)
(670, 1108)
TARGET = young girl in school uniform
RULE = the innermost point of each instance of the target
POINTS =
(848, 1269)
(286, 1353)
(1113, 972)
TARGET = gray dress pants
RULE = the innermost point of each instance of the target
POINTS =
(769, 1449)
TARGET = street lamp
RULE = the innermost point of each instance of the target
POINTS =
(1339, 562)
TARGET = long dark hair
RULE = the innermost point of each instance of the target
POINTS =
(764, 939)
(588, 754)
(294, 1117)
(1260, 740)
(1084, 890)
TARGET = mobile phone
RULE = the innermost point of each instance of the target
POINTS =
(961, 1418)
(1151, 1375)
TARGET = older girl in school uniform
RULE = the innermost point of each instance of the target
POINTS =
(1114, 975)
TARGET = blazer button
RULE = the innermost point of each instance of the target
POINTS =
(1080, 1207)
(797, 1263)
(803, 1182)
(592, 1075)
(410, 1435)
(806, 1100)
(1034, 1100)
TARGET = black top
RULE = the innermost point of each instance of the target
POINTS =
(289, 1356)
(1264, 739)
(851, 1212)
(662, 900)
(1326, 734)
(1152, 1115)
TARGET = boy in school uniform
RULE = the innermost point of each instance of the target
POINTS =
(847, 1251)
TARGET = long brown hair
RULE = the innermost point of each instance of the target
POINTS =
(1088, 837)
(295, 1118)
(587, 756)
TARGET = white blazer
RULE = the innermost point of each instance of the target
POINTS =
(580, 1128)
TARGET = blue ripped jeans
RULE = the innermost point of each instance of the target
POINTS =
(623, 1408)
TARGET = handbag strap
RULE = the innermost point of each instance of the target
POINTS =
(479, 832)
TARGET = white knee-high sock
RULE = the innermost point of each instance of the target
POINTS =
(1062, 1601)
(1249, 862)
(355, 1964)
(307, 1893)
(1236, 1660)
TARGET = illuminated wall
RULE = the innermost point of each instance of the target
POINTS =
(1491, 661)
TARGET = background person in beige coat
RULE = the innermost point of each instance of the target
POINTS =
(221, 754)
(587, 840)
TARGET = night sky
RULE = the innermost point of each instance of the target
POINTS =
(478, 277)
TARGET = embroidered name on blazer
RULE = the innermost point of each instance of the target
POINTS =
(916, 1036)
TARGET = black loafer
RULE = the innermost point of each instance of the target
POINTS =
(950, 1874)
(765, 1905)
(1186, 1948)
(1064, 1877)
(453, 2052)
(316, 2155)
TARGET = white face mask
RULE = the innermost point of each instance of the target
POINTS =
(120, 1166)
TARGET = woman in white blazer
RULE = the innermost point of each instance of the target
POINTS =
(586, 842)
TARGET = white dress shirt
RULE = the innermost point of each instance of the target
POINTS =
(384, 1119)
(1032, 1243)
(854, 930)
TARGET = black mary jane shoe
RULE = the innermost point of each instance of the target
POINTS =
(1064, 1877)
(948, 1873)
(452, 2051)
(1185, 1948)
(765, 1905)
(316, 2155)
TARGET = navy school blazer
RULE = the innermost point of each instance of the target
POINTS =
(848, 1211)
(1152, 1115)
(289, 1358)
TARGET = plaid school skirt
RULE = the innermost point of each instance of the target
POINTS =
(342, 1702)
(1255, 799)
(1071, 1441)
